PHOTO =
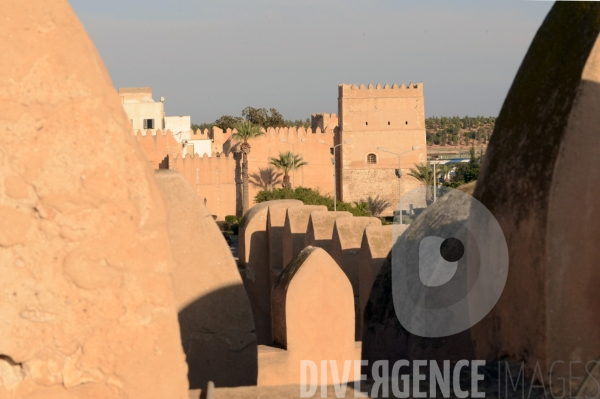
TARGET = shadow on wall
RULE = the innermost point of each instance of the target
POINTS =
(231, 350)
(257, 281)
(164, 164)
(266, 178)
(378, 205)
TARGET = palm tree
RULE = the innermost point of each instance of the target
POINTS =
(246, 131)
(424, 174)
(287, 162)
(445, 170)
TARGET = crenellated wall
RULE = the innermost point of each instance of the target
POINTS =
(323, 121)
(318, 173)
(369, 117)
(158, 146)
(213, 177)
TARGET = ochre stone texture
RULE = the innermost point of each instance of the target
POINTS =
(540, 180)
(294, 229)
(323, 121)
(215, 317)
(212, 178)
(370, 117)
(160, 148)
(87, 305)
(313, 319)
(319, 231)
(254, 259)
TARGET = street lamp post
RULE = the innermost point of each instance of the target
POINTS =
(415, 147)
(293, 160)
(435, 179)
(334, 173)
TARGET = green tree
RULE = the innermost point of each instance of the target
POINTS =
(286, 163)
(445, 170)
(201, 127)
(466, 172)
(246, 131)
(264, 118)
(228, 122)
(297, 123)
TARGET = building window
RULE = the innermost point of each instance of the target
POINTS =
(366, 123)
(406, 123)
(388, 123)
(371, 158)
(148, 123)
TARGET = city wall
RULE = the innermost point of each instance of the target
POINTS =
(159, 147)
(213, 177)
(368, 118)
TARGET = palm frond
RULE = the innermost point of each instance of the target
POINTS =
(287, 161)
(246, 131)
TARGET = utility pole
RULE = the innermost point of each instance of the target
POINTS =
(415, 147)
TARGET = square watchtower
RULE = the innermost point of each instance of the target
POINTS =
(371, 117)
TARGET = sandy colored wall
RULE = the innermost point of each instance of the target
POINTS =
(158, 146)
(371, 117)
(215, 317)
(217, 183)
(323, 121)
(88, 309)
(317, 174)
(364, 117)
(212, 178)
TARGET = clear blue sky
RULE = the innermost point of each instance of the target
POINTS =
(211, 58)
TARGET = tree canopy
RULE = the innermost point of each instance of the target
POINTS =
(466, 172)
(262, 117)
(287, 162)
(228, 122)
(246, 131)
(455, 130)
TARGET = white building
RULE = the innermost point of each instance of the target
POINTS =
(180, 126)
(199, 146)
(145, 114)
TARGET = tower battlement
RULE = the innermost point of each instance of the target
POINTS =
(409, 90)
